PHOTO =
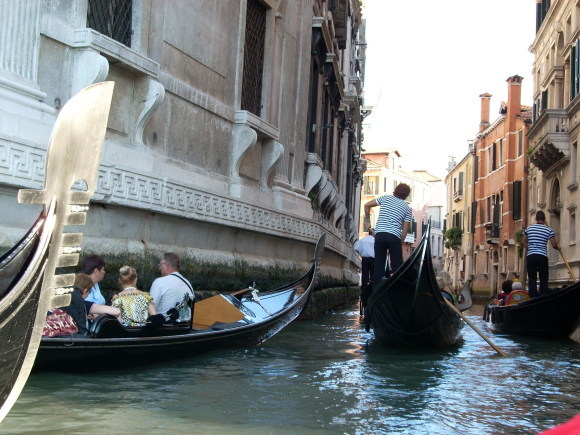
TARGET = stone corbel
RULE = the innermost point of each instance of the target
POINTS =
(339, 212)
(271, 154)
(89, 67)
(244, 139)
(313, 172)
(149, 94)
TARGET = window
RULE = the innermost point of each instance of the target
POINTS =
(574, 163)
(520, 142)
(372, 185)
(111, 18)
(517, 200)
(500, 160)
(460, 184)
(572, 234)
(575, 70)
(476, 169)
(254, 47)
(494, 156)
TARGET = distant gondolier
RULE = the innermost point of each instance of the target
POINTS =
(390, 230)
(535, 239)
(365, 248)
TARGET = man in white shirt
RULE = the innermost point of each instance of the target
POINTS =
(365, 248)
(170, 289)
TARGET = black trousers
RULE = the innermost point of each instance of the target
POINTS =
(367, 269)
(537, 263)
(386, 242)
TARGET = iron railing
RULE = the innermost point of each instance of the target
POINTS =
(254, 57)
(112, 18)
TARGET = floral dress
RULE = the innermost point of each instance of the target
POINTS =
(134, 307)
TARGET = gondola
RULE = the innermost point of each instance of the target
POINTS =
(409, 309)
(28, 283)
(555, 314)
(245, 318)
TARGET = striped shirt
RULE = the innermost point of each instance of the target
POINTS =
(538, 236)
(392, 214)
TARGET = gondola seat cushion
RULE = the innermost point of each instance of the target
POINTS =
(517, 296)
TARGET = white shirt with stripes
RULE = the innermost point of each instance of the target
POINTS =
(393, 212)
(538, 236)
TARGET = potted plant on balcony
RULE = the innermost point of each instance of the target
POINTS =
(453, 238)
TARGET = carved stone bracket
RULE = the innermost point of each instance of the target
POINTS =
(89, 67)
(271, 155)
(244, 139)
(149, 94)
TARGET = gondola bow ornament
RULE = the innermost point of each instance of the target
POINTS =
(32, 288)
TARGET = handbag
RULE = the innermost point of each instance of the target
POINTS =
(57, 323)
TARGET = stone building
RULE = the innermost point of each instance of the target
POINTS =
(459, 243)
(554, 135)
(234, 135)
(498, 210)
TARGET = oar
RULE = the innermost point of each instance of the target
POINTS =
(567, 265)
(475, 328)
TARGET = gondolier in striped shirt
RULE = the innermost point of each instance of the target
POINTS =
(391, 229)
(535, 239)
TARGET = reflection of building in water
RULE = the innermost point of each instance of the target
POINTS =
(234, 135)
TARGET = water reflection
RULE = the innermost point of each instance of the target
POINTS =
(318, 377)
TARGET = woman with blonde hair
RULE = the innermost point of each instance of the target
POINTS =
(136, 306)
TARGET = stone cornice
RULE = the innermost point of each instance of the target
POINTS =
(22, 165)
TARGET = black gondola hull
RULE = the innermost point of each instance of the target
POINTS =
(117, 347)
(408, 309)
(555, 314)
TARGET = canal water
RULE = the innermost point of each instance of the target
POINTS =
(325, 376)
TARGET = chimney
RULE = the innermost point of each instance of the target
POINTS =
(484, 111)
(514, 95)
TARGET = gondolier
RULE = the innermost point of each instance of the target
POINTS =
(390, 230)
(365, 248)
(535, 239)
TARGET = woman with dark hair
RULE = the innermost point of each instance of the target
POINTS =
(391, 229)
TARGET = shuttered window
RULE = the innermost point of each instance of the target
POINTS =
(575, 70)
(517, 200)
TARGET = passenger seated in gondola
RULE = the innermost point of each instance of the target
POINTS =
(136, 306)
(171, 291)
(517, 295)
(506, 289)
(80, 309)
(444, 287)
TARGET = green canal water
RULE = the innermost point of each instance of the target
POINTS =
(325, 376)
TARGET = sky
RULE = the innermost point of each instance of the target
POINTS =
(427, 62)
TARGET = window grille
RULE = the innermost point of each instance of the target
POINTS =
(254, 57)
(112, 18)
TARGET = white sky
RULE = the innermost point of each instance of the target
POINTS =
(427, 62)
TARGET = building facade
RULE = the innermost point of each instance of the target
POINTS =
(553, 149)
(498, 211)
(458, 224)
(235, 128)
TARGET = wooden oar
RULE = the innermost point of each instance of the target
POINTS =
(567, 265)
(475, 328)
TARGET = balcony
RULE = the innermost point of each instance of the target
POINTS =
(549, 139)
(457, 196)
(492, 233)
